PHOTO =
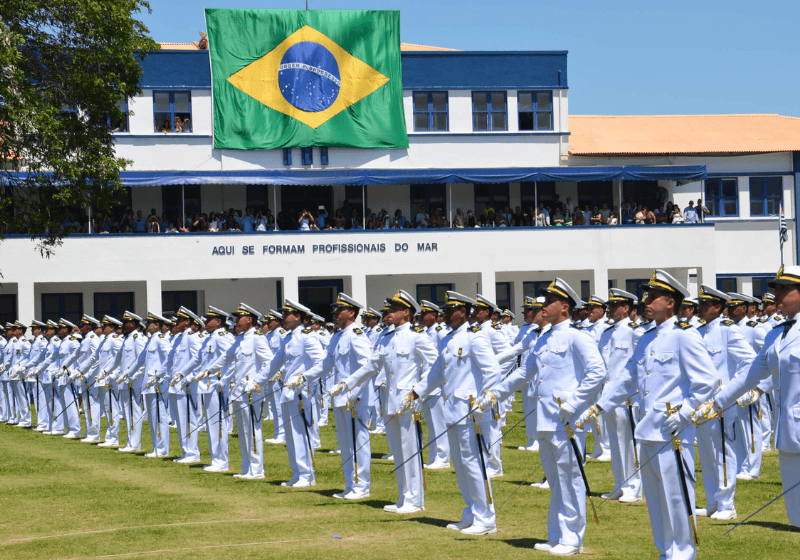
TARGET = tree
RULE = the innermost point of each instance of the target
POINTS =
(65, 65)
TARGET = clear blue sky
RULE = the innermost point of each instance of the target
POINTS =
(625, 57)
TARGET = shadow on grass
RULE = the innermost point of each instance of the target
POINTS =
(774, 525)
(432, 521)
(522, 543)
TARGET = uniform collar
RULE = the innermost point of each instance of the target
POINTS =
(404, 326)
(300, 327)
(463, 327)
(565, 324)
(743, 321)
(669, 323)
(624, 322)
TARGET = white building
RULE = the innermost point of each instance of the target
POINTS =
(483, 127)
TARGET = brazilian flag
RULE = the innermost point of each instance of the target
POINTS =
(291, 78)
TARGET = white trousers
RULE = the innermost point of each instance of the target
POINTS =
(42, 406)
(672, 529)
(566, 517)
(358, 451)
(379, 406)
(185, 417)
(439, 450)
(133, 415)
(93, 412)
(5, 408)
(709, 446)
(217, 428)
(274, 402)
(749, 444)
(158, 419)
(109, 401)
(766, 422)
(790, 475)
(600, 431)
(623, 458)
(470, 477)
(251, 441)
(297, 440)
(492, 437)
(21, 402)
(528, 408)
(402, 437)
(71, 418)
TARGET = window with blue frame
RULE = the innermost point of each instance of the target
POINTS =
(502, 296)
(722, 197)
(173, 300)
(635, 287)
(113, 304)
(118, 123)
(535, 110)
(430, 111)
(68, 306)
(766, 196)
(760, 285)
(534, 289)
(432, 197)
(8, 308)
(586, 289)
(727, 284)
(307, 156)
(489, 110)
(172, 111)
(433, 292)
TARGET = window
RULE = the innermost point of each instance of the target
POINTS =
(430, 110)
(722, 197)
(323, 155)
(635, 287)
(318, 295)
(646, 193)
(8, 308)
(535, 110)
(594, 193)
(287, 156)
(496, 194)
(118, 124)
(760, 286)
(307, 156)
(68, 306)
(173, 111)
(503, 295)
(766, 195)
(586, 289)
(113, 304)
(534, 289)
(489, 110)
(172, 301)
(432, 197)
(433, 292)
(176, 199)
(727, 284)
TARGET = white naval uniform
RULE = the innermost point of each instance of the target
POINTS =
(128, 381)
(44, 371)
(35, 356)
(87, 367)
(465, 367)
(183, 404)
(779, 359)
(769, 399)
(109, 396)
(214, 396)
(433, 408)
(320, 393)
(749, 420)
(616, 347)
(599, 428)
(274, 401)
(731, 355)
(670, 364)
(349, 349)
(522, 346)
(66, 395)
(491, 421)
(149, 371)
(243, 361)
(378, 382)
(22, 348)
(5, 403)
(406, 354)
(565, 364)
(300, 354)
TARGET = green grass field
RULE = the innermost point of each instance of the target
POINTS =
(65, 499)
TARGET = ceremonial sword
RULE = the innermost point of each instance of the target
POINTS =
(633, 432)
(479, 439)
(578, 454)
(305, 425)
(689, 510)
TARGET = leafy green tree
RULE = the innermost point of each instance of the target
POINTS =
(65, 65)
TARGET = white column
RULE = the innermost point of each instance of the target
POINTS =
(290, 288)
(26, 304)
(600, 282)
(707, 274)
(516, 301)
(487, 285)
(358, 289)
(153, 295)
(746, 285)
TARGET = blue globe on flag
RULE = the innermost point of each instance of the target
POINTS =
(308, 77)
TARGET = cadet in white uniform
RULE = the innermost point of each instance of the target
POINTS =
(465, 367)
(213, 393)
(616, 346)
(44, 371)
(433, 404)
(66, 395)
(83, 372)
(128, 380)
(779, 359)
(5, 408)
(568, 369)
(184, 359)
(596, 308)
(109, 397)
(669, 365)
(21, 350)
(406, 353)
(26, 370)
(349, 349)
(274, 337)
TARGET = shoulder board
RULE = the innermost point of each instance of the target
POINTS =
(358, 331)
(650, 329)
(475, 329)
(221, 332)
(161, 336)
(283, 331)
(609, 322)
(684, 326)
(379, 329)
(439, 328)
(683, 320)
(135, 336)
(418, 329)
(763, 319)
(306, 331)
(633, 325)
(259, 332)
(322, 333)
(73, 338)
(727, 322)
(702, 322)
(201, 335)
(116, 335)
(577, 326)
(752, 323)
(496, 326)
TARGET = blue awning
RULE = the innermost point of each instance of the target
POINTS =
(681, 173)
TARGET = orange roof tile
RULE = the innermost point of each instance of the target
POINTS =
(404, 47)
(682, 134)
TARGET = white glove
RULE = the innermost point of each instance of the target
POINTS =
(748, 398)
(340, 388)
(677, 421)
(487, 400)
(352, 399)
(75, 376)
(565, 412)
(705, 412)
(415, 405)
(217, 386)
(588, 414)
(249, 387)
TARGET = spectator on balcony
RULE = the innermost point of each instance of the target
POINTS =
(140, 223)
(421, 218)
(545, 212)
(178, 126)
(171, 228)
(640, 215)
(540, 220)
(321, 217)
(458, 219)
(213, 222)
(187, 124)
(676, 216)
(613, 219)
(558, 218)
(567, 218)
(596, 218)
(163, 225)
(690, 213)
(587, 215)
(649, 217)
(605, 212)
(247, 220)
(152, 224)
(487, 208)
(399, 220)
(627, 213)
(570, 207)
(471, 223)
(702, 211)
(305, 220)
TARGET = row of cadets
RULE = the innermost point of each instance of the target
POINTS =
(568, 371)
(213, 392)
(688, 312)
(153, 382)
(245, 365)
(379, 381)
(405, 354)
(731, 355)
(44, 370)
(777, 362)
(107, 395)
(317, 392)
(349, 349)
(274, 334)
(122, 371)
(506, 321)
(83, 373)
(466, 365)
(669, 374)
(481, 318)
(9, 411)
(6, 409)
(433, 407)
(373, 326)
(595, 308)
(19, 381)
(616, 347)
